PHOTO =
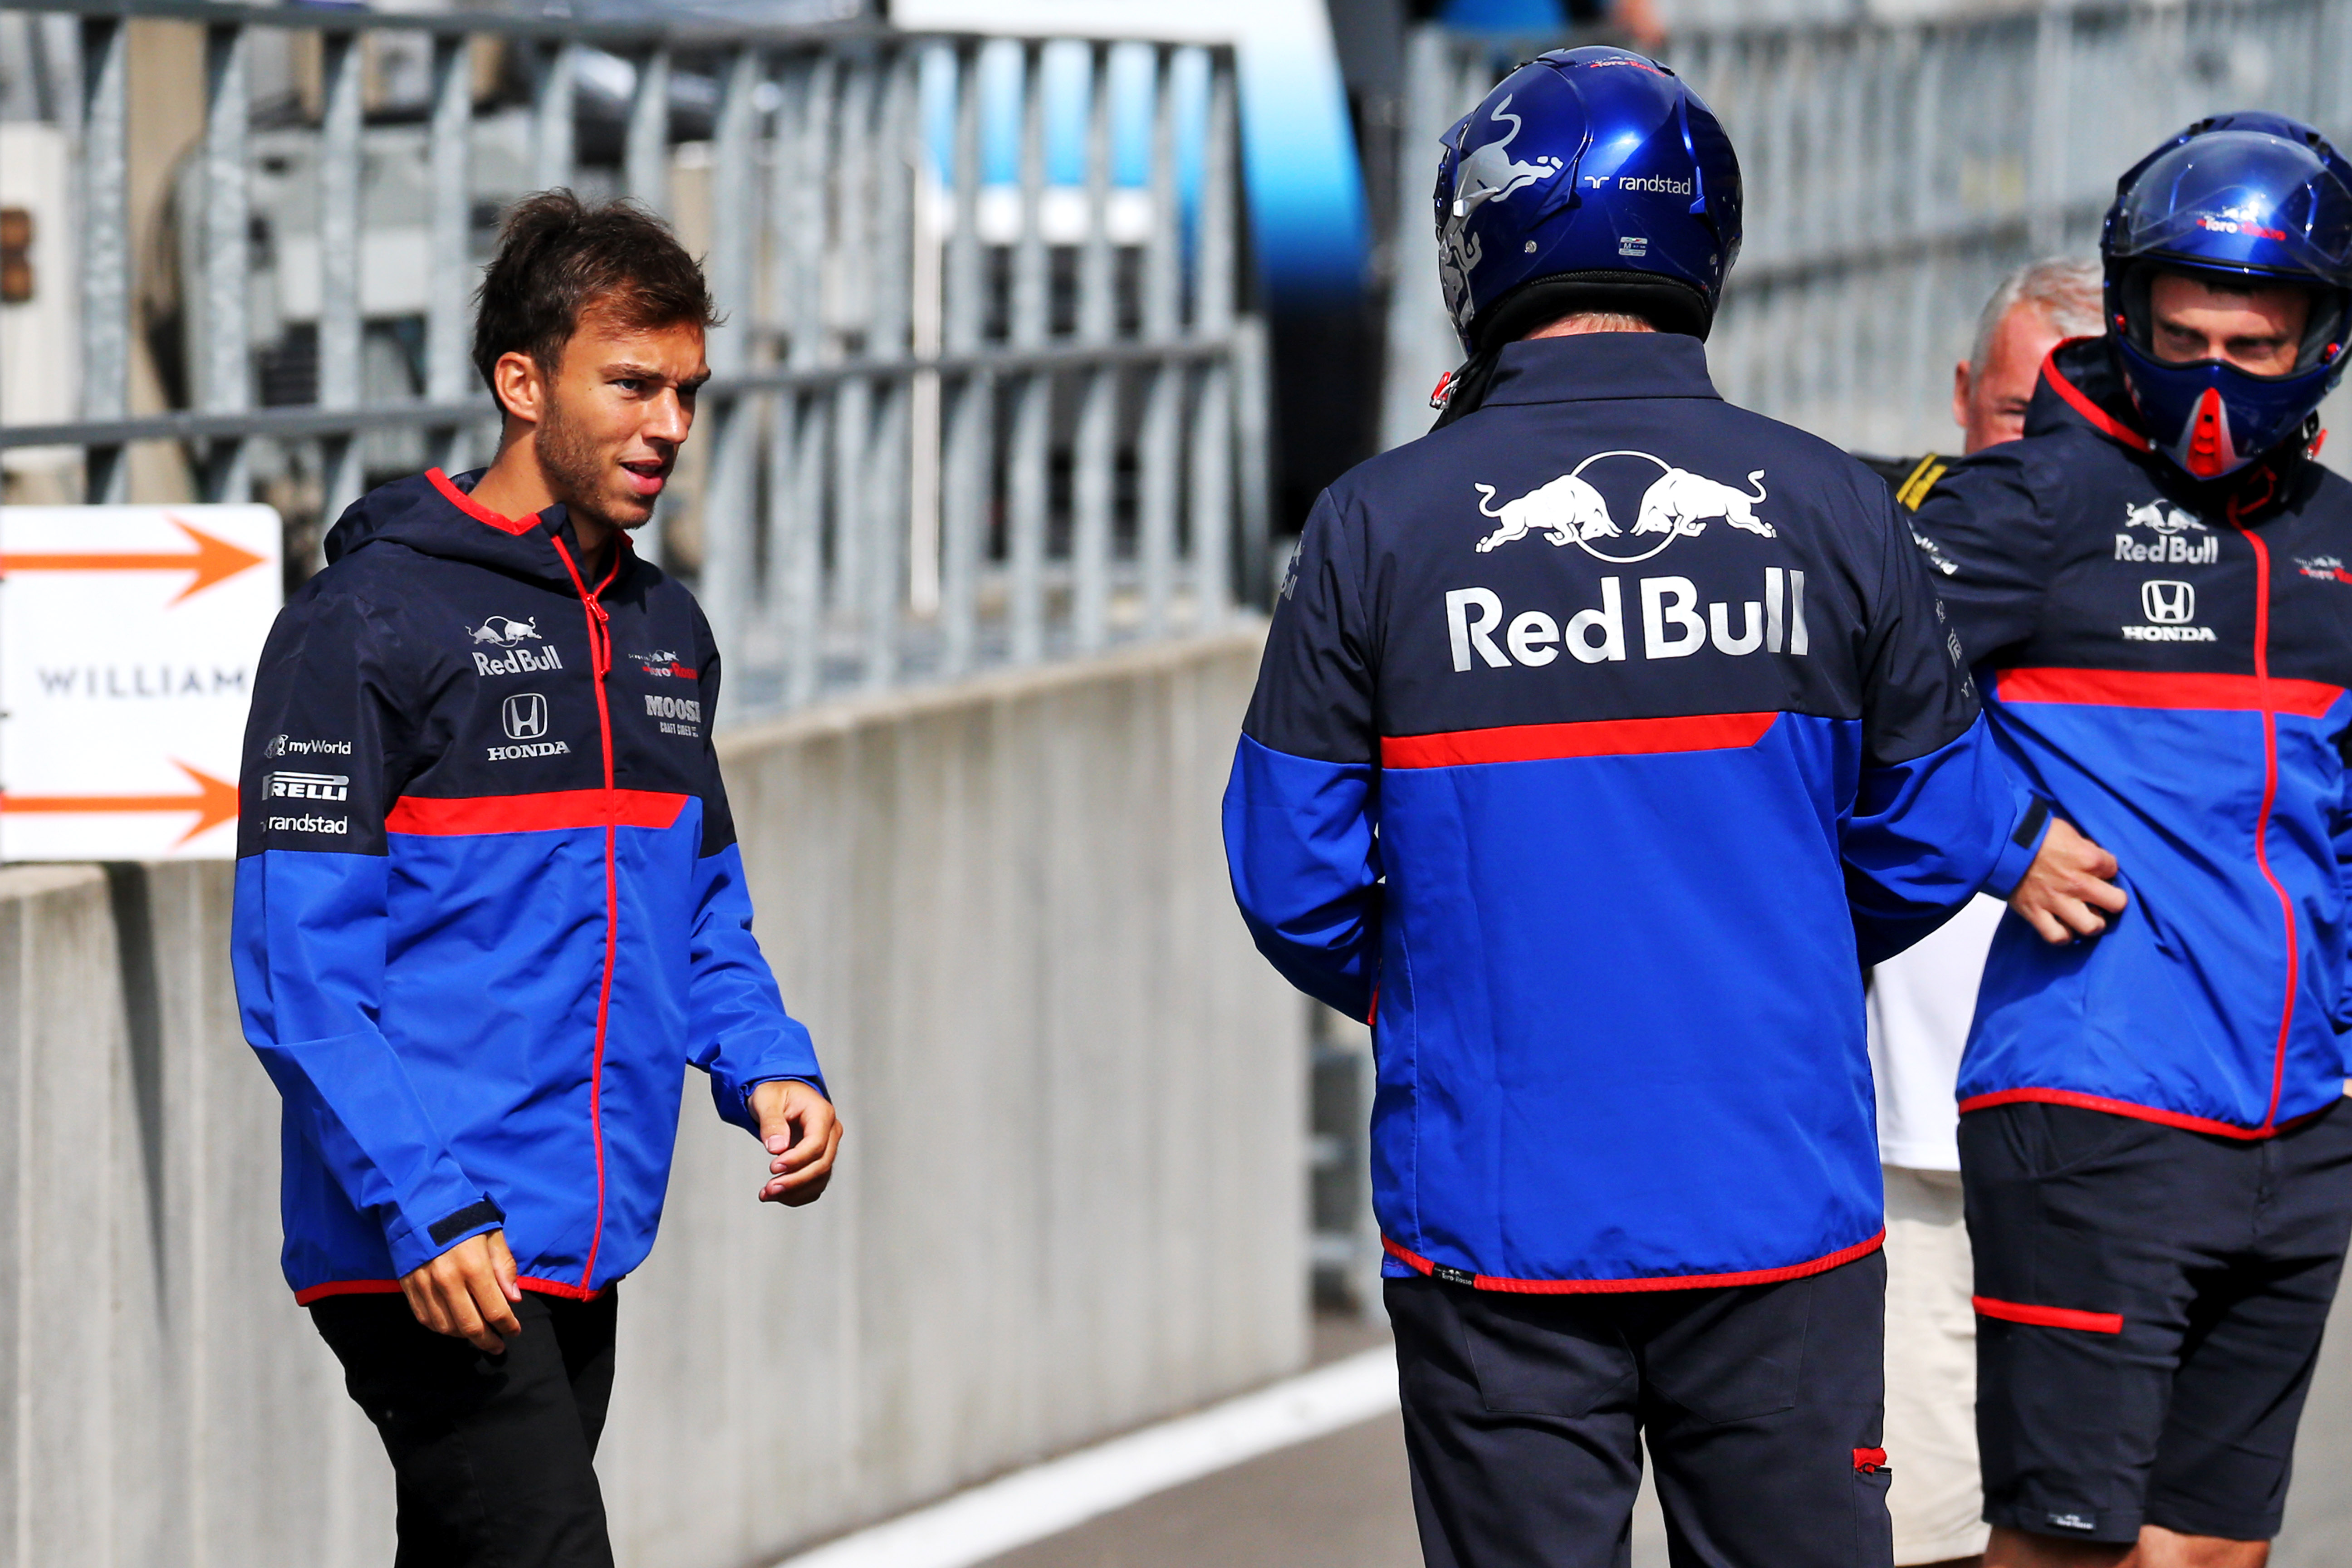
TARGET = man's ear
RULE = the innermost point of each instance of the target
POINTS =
(1961, 395)
(521, 386)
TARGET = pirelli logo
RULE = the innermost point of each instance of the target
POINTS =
(305, 786)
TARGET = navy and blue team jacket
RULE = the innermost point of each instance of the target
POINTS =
(1601, 736)
(489, 900)
(2167, 663)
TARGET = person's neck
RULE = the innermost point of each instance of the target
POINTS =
(514, 485)
(1578, 322)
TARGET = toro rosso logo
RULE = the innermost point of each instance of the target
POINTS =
(503, 631)
(1678, 504)
(2325, 568)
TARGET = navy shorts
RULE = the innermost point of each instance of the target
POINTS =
(2149, 1304)
(1524, 1417)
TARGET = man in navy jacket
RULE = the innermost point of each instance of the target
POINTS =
(490, 905)
(2155, 586)
(1603, 736)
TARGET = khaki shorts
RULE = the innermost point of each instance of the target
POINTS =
(1937, 1497)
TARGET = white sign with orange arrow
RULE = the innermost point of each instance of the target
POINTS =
(128, 640)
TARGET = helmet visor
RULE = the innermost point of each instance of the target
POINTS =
(2240, 200)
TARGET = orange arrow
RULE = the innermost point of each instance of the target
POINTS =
(213, 561)
(214, 802)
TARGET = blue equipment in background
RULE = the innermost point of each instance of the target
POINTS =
(1590, 179)
(2249, 197)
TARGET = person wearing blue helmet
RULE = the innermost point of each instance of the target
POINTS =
(2155, 588)
(1603, 736)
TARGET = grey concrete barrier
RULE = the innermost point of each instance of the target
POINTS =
(1071, 1199)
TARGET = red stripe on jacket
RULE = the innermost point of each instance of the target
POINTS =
(1592, 738)
(2152, 689)
(556, 809)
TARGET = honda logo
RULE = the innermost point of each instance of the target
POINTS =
(525, 716)
(2168, 603)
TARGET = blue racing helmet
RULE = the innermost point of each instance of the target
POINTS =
(2250, 199)
(1588, 179)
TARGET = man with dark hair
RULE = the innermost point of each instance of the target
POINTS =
(489, 904)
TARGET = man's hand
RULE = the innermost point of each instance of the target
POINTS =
(469, 1292)
(2069, 875)
(801, 1133)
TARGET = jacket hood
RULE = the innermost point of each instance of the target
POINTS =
(434, 515)
(2082, 388)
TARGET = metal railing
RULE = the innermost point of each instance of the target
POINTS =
(1894, 171)
(985, 392)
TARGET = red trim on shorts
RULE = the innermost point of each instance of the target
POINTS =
(2048, 1316)
(1591, 738)
(1869, 1461)
(1821, 1265)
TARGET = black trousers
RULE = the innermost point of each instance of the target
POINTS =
(1524, 1417)
(492, 1456)
(2150, 1302)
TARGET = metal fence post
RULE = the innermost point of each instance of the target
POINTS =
(449, 374)
(970, 420)
(105, 248)
(1156, 457)
(552, 134)
(1213, 319)
(1026, 497)
(1091, 500)
(730, 586)
(339, 262)
(224, 364)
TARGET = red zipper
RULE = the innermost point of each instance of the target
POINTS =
(600, 662)
(2270, 794)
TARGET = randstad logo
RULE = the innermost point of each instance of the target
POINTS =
(1672, 626)
(1678, 504)
(1656, 184)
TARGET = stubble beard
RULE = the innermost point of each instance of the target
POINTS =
(575, 469)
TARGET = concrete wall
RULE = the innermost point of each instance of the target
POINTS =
(1071, 1197)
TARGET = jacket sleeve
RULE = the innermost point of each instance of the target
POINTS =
(1987, 542)
(308, 932)
(1936, 814)
(737, 1028)
(1302, 806)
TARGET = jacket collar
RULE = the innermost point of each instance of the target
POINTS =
(435, 515)
(1601, 367)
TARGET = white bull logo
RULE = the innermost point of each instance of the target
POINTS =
(1566, 511)
(2163, 520)
(1681, 502)
(1489, 173)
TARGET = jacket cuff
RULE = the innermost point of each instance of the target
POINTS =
(412, 1247)
(2017, 850)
